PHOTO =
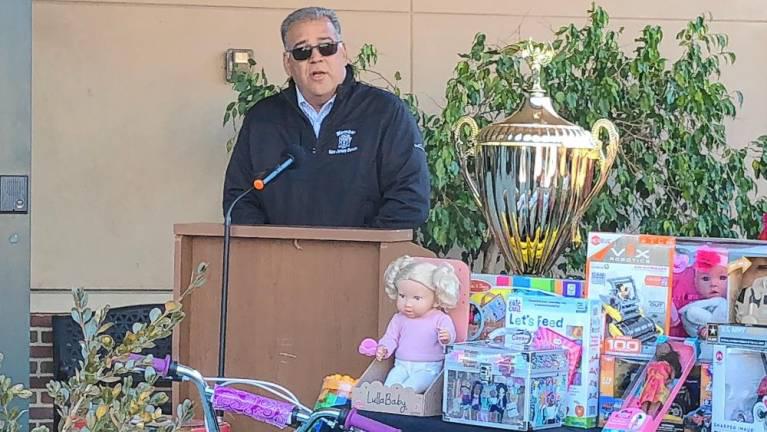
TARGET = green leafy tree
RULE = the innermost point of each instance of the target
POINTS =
(676, 174)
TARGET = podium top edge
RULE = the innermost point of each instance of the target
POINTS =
(206, 229)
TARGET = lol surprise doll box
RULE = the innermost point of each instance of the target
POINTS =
(514, 388)
(631, 275)
(579, 321)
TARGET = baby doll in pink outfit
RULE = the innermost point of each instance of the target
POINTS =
(417, 334)
(708, 303)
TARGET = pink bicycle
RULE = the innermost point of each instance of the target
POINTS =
(287, 413)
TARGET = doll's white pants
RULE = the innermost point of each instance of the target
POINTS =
(414, 374)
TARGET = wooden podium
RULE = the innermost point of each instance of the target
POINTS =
(300, 302)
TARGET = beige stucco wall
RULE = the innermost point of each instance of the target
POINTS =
(128, 97)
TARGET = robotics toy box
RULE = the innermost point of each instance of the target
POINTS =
(631, 275)
(570, 320)
(508, 388)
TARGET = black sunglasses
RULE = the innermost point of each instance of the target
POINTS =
(326, 49)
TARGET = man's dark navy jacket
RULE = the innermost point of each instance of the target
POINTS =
(366, 169)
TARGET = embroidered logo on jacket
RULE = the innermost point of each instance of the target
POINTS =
(344, 142)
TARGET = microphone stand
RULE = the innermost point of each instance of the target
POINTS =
(225, 284)
(257, 185)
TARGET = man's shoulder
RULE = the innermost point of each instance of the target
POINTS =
(270, 105)
(379, 97)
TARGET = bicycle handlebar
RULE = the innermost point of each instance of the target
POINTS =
(162, 366)
(263, 409)
(357, 420)
(260, 408)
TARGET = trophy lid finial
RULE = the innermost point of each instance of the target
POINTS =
(537, 55)
(536, 122)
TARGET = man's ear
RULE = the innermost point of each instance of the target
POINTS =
(286, 63)
(344, 53)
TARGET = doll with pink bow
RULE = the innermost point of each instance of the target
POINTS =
(418, 332)
(699, 294)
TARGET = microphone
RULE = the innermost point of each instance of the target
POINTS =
(292, 159)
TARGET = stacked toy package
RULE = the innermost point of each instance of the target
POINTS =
(487, 306)
(490, 292)
(571, 323)
(631, 275)
(739, 377)
(747, 282)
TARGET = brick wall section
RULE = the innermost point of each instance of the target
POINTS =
(40, 370)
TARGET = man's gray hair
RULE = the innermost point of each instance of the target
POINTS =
(308, 14)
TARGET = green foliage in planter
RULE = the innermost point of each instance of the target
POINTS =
(10, 415)
(101, 396)
(676, 173)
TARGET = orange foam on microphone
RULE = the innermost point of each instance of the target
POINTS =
(258, 184)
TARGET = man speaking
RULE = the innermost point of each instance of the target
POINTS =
(361, 159)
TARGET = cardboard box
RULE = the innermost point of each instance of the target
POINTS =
(504, 387)
(577, 319)
(371, 395)
(631, 276)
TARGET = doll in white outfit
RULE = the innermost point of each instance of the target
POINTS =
(417, 334)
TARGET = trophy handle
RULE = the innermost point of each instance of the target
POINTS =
(606, 156)
(466, 149)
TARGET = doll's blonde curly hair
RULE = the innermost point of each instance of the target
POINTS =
(440, 278)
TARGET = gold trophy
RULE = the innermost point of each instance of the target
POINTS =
(534, 174)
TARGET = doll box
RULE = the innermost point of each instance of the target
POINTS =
(631, 275)
(616, 373)
(502, 387)
(371, 395)
(691, 411)
(653, 391)
(739, 388)
(579, 320)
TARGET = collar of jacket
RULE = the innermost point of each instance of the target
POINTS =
(341, 92)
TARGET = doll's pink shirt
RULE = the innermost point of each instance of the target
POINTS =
(417, 339)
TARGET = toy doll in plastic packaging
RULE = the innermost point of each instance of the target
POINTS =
(748, 282)
(700, 292)
(659, 374)
(417, 334)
